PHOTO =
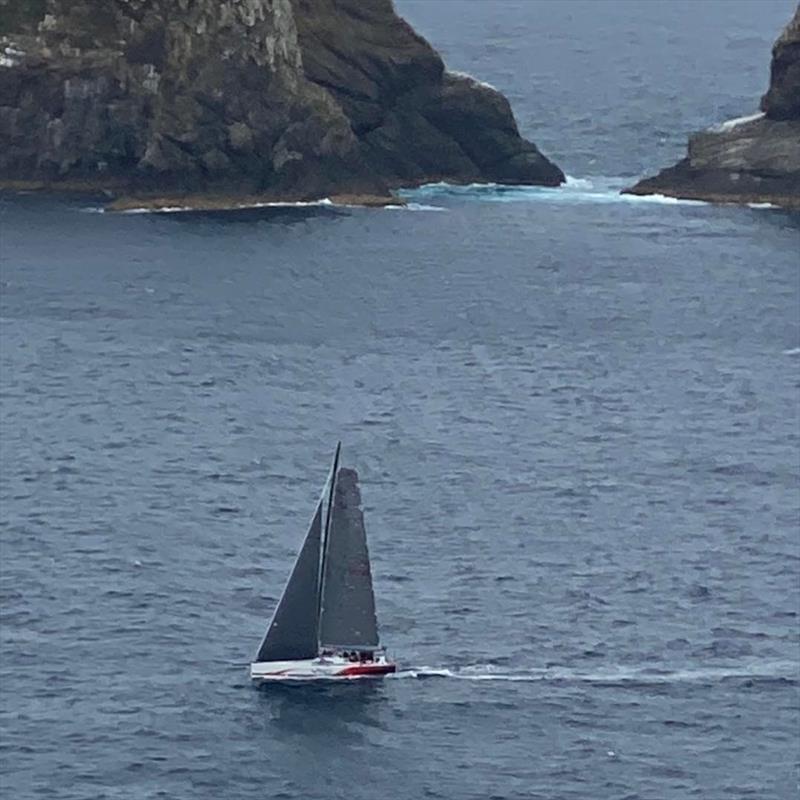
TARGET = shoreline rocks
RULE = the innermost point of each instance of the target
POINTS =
(274, 99)
(210, 202)
(754, 159)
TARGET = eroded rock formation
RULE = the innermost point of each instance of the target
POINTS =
(291, 99)
(753, 159)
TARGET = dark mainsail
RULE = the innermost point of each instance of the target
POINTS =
(347, 617)
(293, 631)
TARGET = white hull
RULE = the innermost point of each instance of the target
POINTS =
(323, 668)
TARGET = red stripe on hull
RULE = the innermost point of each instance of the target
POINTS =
(368, 669)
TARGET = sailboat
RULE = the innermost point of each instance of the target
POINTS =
(324, 625)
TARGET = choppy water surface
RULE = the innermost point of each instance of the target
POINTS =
(575, 418)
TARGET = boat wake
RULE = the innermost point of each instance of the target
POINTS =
(778, 671)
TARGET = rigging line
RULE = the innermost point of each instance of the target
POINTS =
(321, 583)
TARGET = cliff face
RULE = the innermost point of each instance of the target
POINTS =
(280, 98)
(782, 100)
(754, 159)
(415, 121)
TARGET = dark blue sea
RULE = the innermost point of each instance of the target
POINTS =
(575, 418)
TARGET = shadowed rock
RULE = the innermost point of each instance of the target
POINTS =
(753, 159)
(782, 100)
(283, 99)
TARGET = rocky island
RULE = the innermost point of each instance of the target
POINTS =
(214, 103)
(754, 159)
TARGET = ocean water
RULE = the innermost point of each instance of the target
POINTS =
(574, 414)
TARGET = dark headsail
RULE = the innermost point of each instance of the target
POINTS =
(348, 606)
(293, 631)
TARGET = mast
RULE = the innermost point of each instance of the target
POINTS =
(324, 549)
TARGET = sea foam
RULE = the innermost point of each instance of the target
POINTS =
(574, 191)
(768, 670)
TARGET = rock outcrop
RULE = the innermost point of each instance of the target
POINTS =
(749, 160)
(284, 99)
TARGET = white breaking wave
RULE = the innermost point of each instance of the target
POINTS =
(177, 209)
(238, 207)
(427, 197)
(484, 84)
(730, 124)
(777, 670)
(577, 183)
(573, 191)
(417, 207)
(325, 202)
(792, 351)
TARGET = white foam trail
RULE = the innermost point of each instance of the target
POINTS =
(424, 672)
(792, 351)
(615, 675)
(762, 205)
